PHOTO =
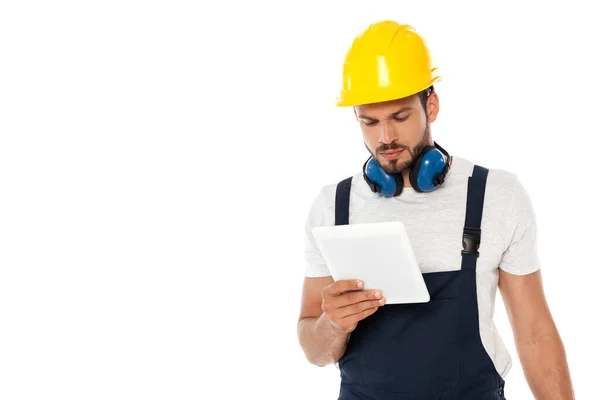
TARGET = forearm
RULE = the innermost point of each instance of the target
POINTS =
(322, 343)
(545, 366)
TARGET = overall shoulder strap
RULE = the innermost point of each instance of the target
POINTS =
(342, 202)
(472, 230)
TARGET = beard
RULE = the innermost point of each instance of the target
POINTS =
(397, 166)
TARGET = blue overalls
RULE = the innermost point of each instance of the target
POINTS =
(424, 351)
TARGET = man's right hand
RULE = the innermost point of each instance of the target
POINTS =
(345, 303)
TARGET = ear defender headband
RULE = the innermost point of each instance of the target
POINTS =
(427, 173)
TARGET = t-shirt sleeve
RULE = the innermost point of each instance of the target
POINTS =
(521, 255)
(315, 264)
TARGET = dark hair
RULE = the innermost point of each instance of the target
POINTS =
(423, 95)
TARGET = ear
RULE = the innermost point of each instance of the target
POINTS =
(355, 113)
(433, 106)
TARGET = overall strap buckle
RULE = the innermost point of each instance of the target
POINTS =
(471, 240)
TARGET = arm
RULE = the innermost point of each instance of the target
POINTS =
(322, 343)
(329, 312)
(539, 346)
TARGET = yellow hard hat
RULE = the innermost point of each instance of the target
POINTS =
(387, 61)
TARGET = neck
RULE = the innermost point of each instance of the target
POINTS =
(405, 178)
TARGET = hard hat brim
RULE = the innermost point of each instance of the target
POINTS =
(349, 99)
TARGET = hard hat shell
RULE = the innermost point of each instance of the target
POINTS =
(386, 61)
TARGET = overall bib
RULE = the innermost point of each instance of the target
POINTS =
(424, 351)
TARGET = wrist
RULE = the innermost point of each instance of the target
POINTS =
(332, 328)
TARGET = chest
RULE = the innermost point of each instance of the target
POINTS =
(435, 229)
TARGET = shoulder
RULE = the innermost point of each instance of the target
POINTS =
(322, 209)
(506, 196)
(507, 187)
(326, 195)
(501, 183)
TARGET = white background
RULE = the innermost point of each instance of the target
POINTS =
(157, 162)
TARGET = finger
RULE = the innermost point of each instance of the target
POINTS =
(357, 308)
(354, 319)
(339, 287)
(333, 305)
(355, 297)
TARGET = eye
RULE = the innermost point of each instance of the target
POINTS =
(401, 119)
(370, 123)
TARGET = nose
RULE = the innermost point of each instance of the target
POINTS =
(386, 133)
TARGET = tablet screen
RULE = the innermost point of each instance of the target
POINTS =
(380, 254)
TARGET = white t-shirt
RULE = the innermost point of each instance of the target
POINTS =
(434, 222)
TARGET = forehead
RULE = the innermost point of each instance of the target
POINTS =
(387, 107)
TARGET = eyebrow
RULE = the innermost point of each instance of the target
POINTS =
(392, 115)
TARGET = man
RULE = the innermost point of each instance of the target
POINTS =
(473, 230)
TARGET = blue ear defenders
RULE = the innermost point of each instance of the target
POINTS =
(427, 173)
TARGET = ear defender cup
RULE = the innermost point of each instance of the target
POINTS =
(428, 172)
(430, 169)
(379, 181)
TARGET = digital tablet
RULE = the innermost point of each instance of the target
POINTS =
(379, 254)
